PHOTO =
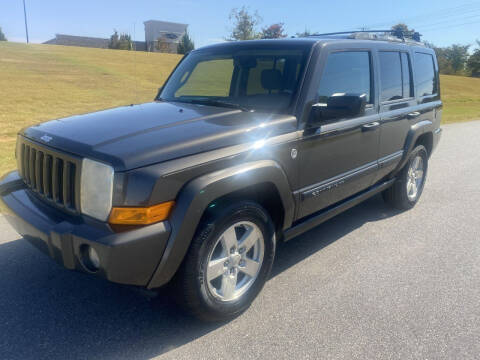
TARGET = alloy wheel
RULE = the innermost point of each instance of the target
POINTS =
(235, 261)
(415, 177)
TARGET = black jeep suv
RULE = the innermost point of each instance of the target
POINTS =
(247, 144)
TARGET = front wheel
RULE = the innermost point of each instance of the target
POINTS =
(407, 189)
(228, 262)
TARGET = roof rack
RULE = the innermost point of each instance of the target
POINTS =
(396, 35)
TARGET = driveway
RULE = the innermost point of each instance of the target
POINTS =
(370, 283)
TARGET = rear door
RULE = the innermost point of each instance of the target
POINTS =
(397, 106)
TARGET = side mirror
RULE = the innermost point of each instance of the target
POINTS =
(338, 106)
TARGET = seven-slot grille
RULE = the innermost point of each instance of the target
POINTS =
(53, 176)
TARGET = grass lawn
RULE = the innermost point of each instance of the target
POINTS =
(43, 82)
(461, 98)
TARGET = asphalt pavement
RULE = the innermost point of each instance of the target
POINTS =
(371, 283)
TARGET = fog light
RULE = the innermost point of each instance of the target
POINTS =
(93, 257)
(89, 258)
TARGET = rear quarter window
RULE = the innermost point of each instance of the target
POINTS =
(425, 80)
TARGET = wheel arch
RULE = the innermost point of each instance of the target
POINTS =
(419, 133)
(265, 194)
(425, 139)
(194, 199)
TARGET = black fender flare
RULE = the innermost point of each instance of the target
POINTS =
(416, 130)
(194, 198)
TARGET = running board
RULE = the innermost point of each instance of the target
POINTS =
(324, 215)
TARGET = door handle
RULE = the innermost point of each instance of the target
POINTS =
(413, 115)
(370, 126)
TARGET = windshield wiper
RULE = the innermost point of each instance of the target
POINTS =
(220, 103)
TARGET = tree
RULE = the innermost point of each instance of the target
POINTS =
(452, 60)
(122, 42)
(113, 44)
(244, 24)
(304, 33)
(457, 55)
(473, 63)
(186, 44)
(444, 65)
(125, 42)
(429, 44)
(274, 31)
(2, 35)
(402, 29)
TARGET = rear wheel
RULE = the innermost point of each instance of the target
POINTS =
(407, 189)
(228, 262)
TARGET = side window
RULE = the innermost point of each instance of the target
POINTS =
(406, 76)
(346, 72)
(391, 87)
(425, 74)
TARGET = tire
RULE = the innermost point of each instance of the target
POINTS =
(204, 283)
(401, 194)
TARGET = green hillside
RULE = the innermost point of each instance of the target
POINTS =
(461, 98)
(42, 82)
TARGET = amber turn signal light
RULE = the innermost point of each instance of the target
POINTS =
(140, 215)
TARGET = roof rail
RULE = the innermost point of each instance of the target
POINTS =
(402, 35)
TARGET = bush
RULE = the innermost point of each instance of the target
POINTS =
(2, 35)
(122, 42)
(186, 44)
(473, 63)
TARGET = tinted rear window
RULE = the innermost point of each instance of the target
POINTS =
(390, 76)
(425, 74)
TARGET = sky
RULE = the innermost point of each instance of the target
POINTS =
(441, 22)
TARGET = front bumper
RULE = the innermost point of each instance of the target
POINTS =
(129, 257)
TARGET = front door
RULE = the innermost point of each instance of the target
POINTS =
(339, 158)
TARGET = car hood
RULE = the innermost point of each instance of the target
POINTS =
(138, 135)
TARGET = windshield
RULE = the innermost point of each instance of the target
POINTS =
(256, 78)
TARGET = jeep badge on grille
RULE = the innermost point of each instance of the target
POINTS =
(46, 138)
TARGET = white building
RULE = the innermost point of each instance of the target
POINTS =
(163, 36)
(160, 36)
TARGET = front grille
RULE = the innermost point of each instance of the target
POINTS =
(53, 176)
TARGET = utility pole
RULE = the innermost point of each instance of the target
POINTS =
(25, 14)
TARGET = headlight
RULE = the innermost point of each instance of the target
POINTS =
(96, 188)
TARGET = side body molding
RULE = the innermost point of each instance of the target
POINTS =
(200, 192)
